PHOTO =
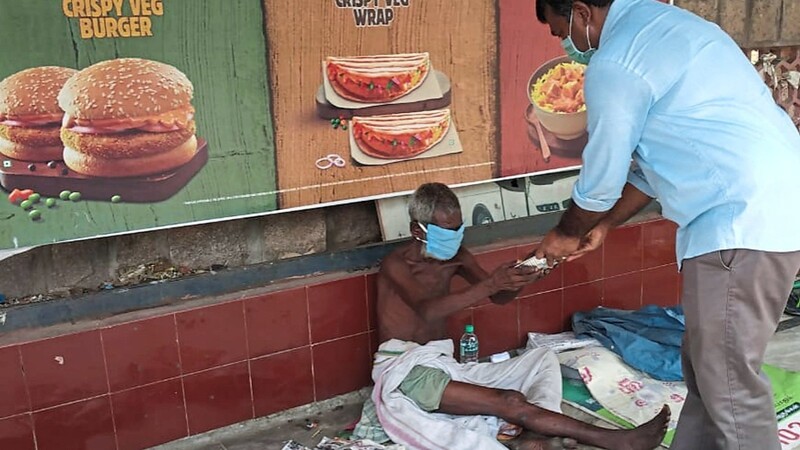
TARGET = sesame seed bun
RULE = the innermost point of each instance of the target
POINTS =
(31, 94)
(150, 164)
(33, 91)
(125, 88)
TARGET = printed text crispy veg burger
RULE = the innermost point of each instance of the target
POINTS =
(127, 117)
(29, 114)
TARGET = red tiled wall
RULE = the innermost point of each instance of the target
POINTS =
(141, 383)
(636, 266)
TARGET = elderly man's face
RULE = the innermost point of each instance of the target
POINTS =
(449, 221)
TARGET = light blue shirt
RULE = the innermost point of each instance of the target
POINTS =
(677, 95)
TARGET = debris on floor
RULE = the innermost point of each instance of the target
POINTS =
(343, 444)
(152, 272)
(160, 269)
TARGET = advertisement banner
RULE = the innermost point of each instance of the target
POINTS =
(120, 116)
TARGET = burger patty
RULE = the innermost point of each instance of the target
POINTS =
(130, 144)
(46, 136)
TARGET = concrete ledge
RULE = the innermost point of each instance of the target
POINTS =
(109, 303)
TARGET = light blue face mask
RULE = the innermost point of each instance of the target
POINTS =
(569, 46)
(441, 243)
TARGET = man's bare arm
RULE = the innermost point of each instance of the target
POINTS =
(576, 222)
(632, 201)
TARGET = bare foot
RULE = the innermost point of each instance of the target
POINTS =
(647, 436)
(533, 442)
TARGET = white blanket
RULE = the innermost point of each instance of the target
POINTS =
(536, 374)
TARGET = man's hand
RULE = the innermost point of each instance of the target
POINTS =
(556, 247)
(591, 241)
(508, 278)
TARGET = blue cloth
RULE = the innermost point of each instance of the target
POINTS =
(675, 93)
(648, 339)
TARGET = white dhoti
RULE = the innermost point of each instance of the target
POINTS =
(535, 374)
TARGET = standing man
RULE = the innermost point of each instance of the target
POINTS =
(675, 94)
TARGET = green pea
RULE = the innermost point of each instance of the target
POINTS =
(26, 204)
(35, 214)
(64, 195)
(35, 197)
(50, 202)
(344, 127)
(116, 199)
(75, 196)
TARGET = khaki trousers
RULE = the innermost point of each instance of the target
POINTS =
(733, 301)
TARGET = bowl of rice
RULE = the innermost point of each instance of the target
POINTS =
(556, 93)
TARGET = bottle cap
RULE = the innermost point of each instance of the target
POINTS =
(469, 328)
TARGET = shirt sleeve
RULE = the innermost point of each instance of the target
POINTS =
(639, 181)
(617, 105)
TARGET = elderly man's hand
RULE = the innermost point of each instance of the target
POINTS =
(507, 277)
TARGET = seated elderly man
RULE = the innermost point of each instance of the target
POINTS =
(423, 398)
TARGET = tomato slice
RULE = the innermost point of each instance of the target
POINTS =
(377, 89)
(399, 146)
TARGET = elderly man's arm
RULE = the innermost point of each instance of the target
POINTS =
(471, 271)
(431, 307)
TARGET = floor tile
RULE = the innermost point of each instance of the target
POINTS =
(622, 251)
(372, 300)
(12, 384)
(16, 433)
(341, 366)
(541, 313)
(149, 415)
(282, 381)
(584, 269)
(658, 238)
(141, 352)
(277, 321)
(218, 397)
(84, 425)
(491, 260)
(660, 286)
(64, 369)
(623, 292)
(338, 308)
(583, 297)
(211, 336)
(497, 328)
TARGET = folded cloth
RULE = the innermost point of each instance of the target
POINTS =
(535, 374)
(648, 339)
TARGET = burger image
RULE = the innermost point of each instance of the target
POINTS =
(30, 117)
(127, 117)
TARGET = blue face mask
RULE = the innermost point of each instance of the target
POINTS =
(569, 46)
(441, 243)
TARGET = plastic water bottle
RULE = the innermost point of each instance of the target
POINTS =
(469, 345)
